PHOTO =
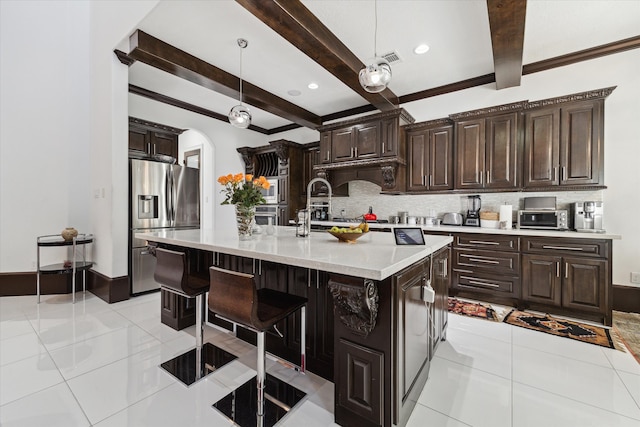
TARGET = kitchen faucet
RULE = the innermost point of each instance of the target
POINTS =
(315, 205)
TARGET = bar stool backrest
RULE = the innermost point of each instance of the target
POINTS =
(233, 295)
(172, 274)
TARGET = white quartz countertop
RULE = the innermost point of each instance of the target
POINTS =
(481, 230)
(373, 256)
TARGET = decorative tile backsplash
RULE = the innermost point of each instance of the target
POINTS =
(363, 194)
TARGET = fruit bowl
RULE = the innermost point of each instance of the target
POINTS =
(347, 237)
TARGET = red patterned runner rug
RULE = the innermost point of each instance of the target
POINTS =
(472, 309)
(563, 328)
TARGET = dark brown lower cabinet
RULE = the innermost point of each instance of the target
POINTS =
(566, 276)
(572, 283)
(176, 311)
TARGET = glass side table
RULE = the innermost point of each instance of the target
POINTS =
(55, 240)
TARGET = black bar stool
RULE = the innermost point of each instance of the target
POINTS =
(172, 275)
(233, 296)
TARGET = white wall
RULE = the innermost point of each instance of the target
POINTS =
(44, 137)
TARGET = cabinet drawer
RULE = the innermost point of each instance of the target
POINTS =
(503, 262)
(487, 242)
(487, 283)
(575, 247)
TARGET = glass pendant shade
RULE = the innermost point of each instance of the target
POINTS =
(376, 76)
(240, 117)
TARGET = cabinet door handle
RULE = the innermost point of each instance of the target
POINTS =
(445, 270)
(558, 269)
(564, 173)
(430, 180)
(488, 176)
(555, 173)
(383, 148)
(480, 242)
(481, 177)
(327, 158)
(308, 277)
(485, 261)
(459, 270)
(355, 150)
(566, 270)
(561, 248)
(492, 285)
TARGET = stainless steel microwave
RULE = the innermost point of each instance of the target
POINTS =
(552, 219)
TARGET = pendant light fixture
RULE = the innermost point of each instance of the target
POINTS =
(376, 76)
(239, 116)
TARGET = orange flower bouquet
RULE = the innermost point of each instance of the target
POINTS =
(242, 190)
(245, 193)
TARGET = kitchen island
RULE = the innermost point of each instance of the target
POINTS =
(561, 272)
(368, 328)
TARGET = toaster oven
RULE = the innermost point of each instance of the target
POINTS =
(543, 219)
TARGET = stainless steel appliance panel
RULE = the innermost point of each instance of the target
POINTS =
(142, 268)
(150, 205)
(540, 203)
(185, 196)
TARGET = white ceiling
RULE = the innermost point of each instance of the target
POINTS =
(456, 30)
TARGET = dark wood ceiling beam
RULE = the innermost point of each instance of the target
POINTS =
(296, 24)
(156, 53)
(506, 22)
(137, 90)
(582, 55)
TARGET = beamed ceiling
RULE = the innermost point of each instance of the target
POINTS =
(185, 53)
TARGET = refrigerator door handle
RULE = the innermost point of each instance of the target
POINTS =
(173, 198)
(167, 192)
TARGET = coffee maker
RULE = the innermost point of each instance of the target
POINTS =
(473, 211)
(587, 217)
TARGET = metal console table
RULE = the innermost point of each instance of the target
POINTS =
(51, 240)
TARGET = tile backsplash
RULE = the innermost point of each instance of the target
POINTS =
(363, 194)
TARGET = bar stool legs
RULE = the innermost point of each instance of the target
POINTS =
(199, 362)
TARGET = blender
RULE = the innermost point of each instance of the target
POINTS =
(473, 211)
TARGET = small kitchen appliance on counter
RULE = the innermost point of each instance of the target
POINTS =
(587, 217)
(452, 218)
(540, 213)
(473, 211)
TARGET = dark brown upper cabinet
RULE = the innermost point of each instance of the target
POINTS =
(487, 153)
(356, 142)
(563, 141)
(152, 140)
(430, 156)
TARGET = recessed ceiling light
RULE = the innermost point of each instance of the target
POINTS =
(294, 92)
(420, 49)
(313, 86)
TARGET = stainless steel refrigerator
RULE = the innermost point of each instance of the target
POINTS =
(163, 196)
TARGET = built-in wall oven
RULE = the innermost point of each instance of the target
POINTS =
(264, 212)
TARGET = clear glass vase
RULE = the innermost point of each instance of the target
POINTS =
(244, 220)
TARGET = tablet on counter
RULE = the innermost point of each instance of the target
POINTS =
(408, 236)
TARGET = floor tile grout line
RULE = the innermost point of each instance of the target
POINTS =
(475, 368)
(578, 401)
(627, 387)
(446, 415)
(511, 384)
(566, 357)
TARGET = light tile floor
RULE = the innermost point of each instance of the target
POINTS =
(95, 364)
